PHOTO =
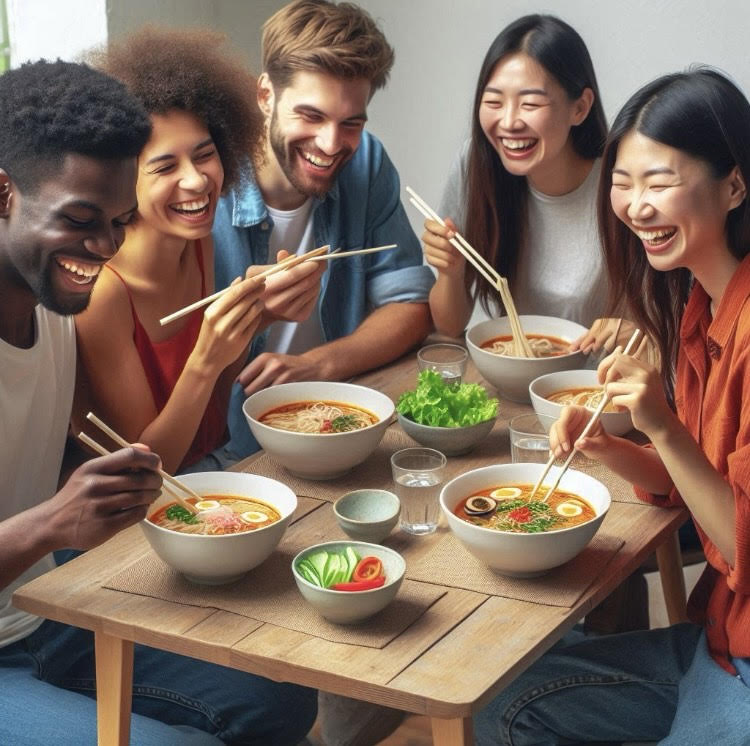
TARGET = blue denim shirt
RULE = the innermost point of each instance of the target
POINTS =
(362, 209)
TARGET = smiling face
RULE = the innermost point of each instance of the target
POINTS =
(314, 126)
(526, 115)
(673, 203)
(57, 236)
(180, 177)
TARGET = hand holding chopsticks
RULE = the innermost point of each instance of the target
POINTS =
(500, 283)
(321, 255)
(91, 443)
(586, 430)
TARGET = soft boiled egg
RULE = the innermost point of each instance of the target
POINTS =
(207, 505)
(505, 493)
(253, 516)
(568, 510)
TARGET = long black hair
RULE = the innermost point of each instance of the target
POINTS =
(496, 211)
(701, 113)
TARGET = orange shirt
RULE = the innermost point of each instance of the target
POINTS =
(712, 397)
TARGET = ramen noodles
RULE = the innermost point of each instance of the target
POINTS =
(543, 345)
(589, 397)
(318, 417)
(217, 515)
(508, 508)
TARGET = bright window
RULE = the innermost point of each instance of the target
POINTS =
(4, 39)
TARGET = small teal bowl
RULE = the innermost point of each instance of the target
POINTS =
(367, 515)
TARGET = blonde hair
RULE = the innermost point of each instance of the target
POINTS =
(341, 40)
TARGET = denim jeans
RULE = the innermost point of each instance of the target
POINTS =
(655, 685)
(47, 690)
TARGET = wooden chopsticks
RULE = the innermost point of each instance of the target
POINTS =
(594, 417)
(284, 264)
(124, 443)
(521, 346)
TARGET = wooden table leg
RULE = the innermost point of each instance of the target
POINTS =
(454, 732)
(114, 689)
(669, 561)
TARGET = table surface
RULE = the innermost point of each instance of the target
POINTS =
(483, 641)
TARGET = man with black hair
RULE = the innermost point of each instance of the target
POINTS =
(69, 137)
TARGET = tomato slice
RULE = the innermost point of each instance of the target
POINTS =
(361, 585)
(367, 568)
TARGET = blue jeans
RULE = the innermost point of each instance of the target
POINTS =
(47, 691)
(655, 685)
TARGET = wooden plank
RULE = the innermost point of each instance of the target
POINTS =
(669, 560)
(114, 686)
(455, 732)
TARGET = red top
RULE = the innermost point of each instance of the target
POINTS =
(163, 363)
(712, 395)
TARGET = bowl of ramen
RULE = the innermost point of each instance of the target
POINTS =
(240, 520)
(551, 392)
(318, 429)
(490, 345)
(319, 573)
(489, 512)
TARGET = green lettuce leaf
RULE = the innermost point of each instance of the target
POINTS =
(440, 405)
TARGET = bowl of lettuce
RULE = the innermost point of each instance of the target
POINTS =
(452, 418)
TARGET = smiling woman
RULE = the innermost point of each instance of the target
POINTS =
(168, 386)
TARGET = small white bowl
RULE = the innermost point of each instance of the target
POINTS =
(615, 423)
(452, 441)
(367, 515)
(318, 455)
(511, 375)
(213, 560)
(350, 607)
(523, 555)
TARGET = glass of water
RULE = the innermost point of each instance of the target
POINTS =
(418, 474)
(447, 359)
(529, 441)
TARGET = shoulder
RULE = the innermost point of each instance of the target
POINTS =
(109, 311)
(370, 159)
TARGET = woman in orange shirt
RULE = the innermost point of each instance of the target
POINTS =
(675, 220)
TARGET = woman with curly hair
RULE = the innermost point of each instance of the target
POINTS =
(168, 386)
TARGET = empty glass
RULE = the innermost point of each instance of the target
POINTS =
(529, 442)
(418, 474)
(447, 359)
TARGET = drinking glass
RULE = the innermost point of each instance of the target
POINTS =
(418, 474)
(447, 359)
(529, 442)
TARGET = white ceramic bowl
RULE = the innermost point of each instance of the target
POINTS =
(316, 455)
(452, 441)
(615, 423)
(522, 555)
(213, 560)
(511, 376)
(350, 607)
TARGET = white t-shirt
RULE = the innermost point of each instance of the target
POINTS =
(293, 229)
(560, 270)
(36, 396)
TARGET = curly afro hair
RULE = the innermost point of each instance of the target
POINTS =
(187, 70)
(50, 109)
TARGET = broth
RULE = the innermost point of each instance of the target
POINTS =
(218, 515)
(326, 417)
(586, 396)
(516, 514)
(543, 345)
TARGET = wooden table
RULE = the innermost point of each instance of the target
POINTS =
(447, 680)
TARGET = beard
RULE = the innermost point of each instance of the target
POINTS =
(50, 298)
(286, 155)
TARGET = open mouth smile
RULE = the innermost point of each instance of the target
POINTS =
(656, 239)
(81, 273)
(193, 208)
(319, 162)
(518, 147)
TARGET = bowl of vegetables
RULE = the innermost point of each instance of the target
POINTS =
(348, 581)
(452, 418)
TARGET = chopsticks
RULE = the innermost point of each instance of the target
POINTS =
(124, 443)
(594, 417)
(341, 254)
(521, 344)
(284, 264)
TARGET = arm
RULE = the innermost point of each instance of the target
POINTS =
(120, 389)
(102, 497)
(386, 334)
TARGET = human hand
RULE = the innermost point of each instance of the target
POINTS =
(228, 326)
(604, 335)
(291, 295)
(439, 251)
(565, 434)
(272, 367)
(103, 496)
